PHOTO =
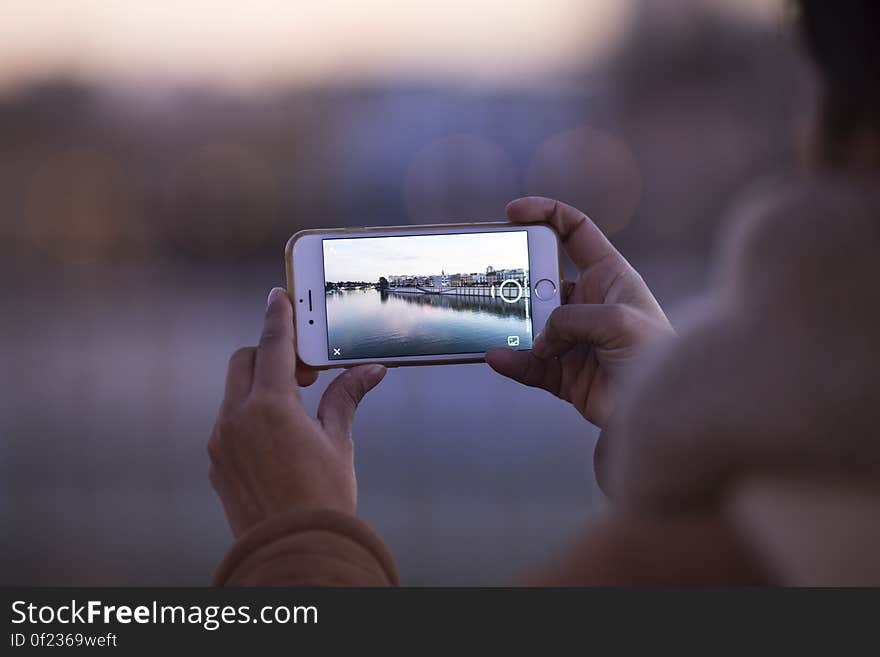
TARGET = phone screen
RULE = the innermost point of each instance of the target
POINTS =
(424, 295)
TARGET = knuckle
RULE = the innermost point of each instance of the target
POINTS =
(530, 372)
(554, 319)
(214, 477)
(635, 278)
(622, 318)
(265, 404)
(559, 319)
(214, 450)
(357, 391)
(269, 335)
(565, 314)
(240, 354)
(351, 389)
(228, 424)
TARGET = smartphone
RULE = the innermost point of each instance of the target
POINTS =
(414, 295)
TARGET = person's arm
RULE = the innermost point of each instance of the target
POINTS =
(287, 480)
(624, 549)
(814, 528)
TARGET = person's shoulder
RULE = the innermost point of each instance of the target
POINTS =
(806, 216)
(803, 233)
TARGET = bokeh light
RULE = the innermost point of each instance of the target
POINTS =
(76, 206)
(592, 170)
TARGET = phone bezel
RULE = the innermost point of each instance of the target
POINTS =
(304, 260)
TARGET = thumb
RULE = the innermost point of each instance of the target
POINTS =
(341, 399)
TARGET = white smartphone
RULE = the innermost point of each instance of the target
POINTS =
(414, 295)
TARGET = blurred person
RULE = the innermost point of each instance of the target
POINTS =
(744, 450)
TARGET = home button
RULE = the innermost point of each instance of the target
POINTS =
(545, 289)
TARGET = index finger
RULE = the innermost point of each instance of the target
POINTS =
(582, 240)
(275, 362)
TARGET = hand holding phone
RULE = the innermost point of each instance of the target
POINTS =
(571, 338)
(267, 455)
(607, 319)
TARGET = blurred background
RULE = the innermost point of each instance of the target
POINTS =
(155, 156)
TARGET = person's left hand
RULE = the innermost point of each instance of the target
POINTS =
(267, 454)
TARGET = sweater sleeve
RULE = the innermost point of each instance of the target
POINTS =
(308, 548)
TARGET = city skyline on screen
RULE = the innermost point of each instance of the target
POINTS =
(367, 259)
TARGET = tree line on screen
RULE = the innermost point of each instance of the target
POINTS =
(356, 285)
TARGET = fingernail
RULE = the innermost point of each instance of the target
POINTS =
(274, 293)
(376, 372)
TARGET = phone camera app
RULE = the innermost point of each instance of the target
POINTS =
(420, 295)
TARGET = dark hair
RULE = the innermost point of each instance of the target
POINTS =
(841, 36)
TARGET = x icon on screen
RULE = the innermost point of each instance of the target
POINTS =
(336, 352)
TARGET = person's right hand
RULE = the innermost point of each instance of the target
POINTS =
(608, 316)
